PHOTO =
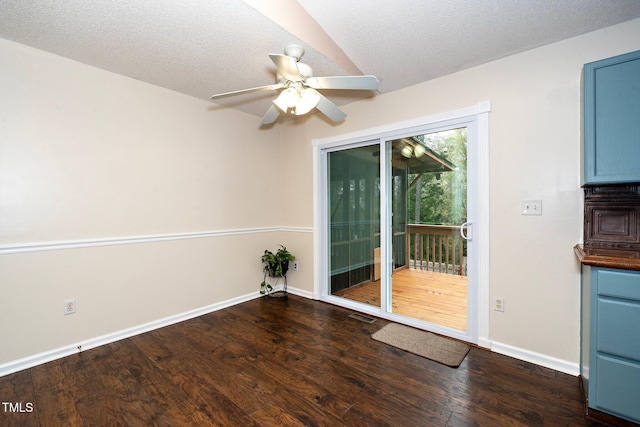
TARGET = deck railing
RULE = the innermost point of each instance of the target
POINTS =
(438, 248)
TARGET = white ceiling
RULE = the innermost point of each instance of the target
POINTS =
(203, 47)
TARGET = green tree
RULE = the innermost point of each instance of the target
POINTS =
(442, 195)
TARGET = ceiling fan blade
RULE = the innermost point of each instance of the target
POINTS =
(271, 116)
(330, 109)
(253, 89)
(344, 82)
(287, 67)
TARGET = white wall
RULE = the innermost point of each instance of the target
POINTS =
(534, 153)
(90, 157)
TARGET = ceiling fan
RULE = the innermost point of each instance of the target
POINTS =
(300, 94)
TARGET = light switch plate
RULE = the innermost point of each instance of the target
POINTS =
(531, 207)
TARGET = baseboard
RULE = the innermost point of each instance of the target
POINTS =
(537, 358)
(48, 356)
(278, 286)
(300, 292)
(484, 343)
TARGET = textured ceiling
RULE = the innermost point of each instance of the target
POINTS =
(203, 47)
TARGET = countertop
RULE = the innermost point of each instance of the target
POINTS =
(624, 259)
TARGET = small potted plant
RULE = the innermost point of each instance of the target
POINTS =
(275, 265)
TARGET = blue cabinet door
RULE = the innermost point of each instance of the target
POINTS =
(618, 390)
(611, 134)
(614, 355)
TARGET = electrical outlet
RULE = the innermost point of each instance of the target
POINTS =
(295, 265)
(498, 304)
(69, 306)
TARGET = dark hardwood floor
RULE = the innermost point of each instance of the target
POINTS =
(284, 362)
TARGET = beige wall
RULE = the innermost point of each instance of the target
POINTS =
(86, 154)
(534, 153)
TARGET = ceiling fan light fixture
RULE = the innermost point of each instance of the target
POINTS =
(297, 101)
(287, 99)
(299, 93)
(308, 100)
(406, 151)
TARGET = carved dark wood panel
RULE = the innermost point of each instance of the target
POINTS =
(612, 216)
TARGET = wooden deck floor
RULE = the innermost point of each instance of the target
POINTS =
(433, 297)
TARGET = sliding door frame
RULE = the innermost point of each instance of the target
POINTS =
(476, 120)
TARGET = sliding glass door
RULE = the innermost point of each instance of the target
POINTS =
(395, 225)
(425, 203)
(429, 199)
(354, 221)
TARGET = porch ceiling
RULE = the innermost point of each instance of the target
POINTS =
(428, 161)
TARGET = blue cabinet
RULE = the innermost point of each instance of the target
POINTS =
(611, 341)
(611, 120)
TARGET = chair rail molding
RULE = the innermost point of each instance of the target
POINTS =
(109, 241)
